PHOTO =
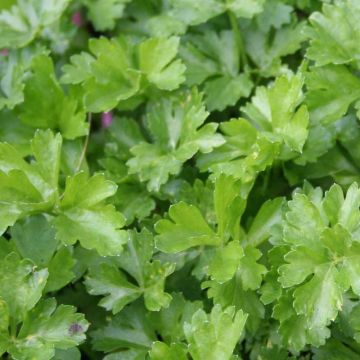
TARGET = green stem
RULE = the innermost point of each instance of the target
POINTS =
(243, 63)
(82, 155)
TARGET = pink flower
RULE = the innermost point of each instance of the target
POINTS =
(106, 119)
(77, 19)
(4, 52)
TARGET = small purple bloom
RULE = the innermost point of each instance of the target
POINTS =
(4, 52)
(77, 19)
(106, 119)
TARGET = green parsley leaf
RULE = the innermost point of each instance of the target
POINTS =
(21, 285)
(59, 111)
(161, 351)
(204, 339)
(275, 110)
(104, 14)
(135, 261)
(84, 216)
(156, 61)
(22, 22)
(23, 233)
(127, 330)
(48, 327)
(340, 45)
(326, 101)
(187, 228)
(174, 124)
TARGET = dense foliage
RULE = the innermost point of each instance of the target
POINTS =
(179, 179)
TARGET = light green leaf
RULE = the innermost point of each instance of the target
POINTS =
(304, 222)
(231, 293)
(245, 9)
(156, 57)
(319, 299)
(275, 15)
(59, 111)
(229, 201)
(22, 22)
(232, 89)
(245, 153)
(276, 109)
(326, 101)
(28, 188)
(214, 336)
(104, 13)
(113, 74)
(136, 261)
(186, 228)
(35, 239)
(47, 162)
(78, 70)
(250, 271)
(107, 279)
(174, 124)
(21, 285)
(269, 215)
(332, 203)
(84, 217)
(226, 261)
(335, 33)
(266, 48)
(11, 82)
(302, 262)
(161, 351)
(294, 329)
(191, 14)
(60, 269)
(48, 327)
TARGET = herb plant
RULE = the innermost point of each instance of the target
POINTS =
(179, 179)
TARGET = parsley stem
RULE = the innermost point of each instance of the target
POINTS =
(83, 152)
(239, 40)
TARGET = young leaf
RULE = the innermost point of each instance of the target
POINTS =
(174, 124)
(226, 261)
(275, 110)
(22, 22)
(130, 329)
(21, 285)
(84, 216)
(326, 101)
(268, 215)
(49, 327)
(104, 13)
(136, 261)
(112, 76)
(58, 111)
(187, 228)
(161, 351)
(329, 46)
(156, 57)
(60, 269)
(203, 335)
(35, 227)
(107, 279)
